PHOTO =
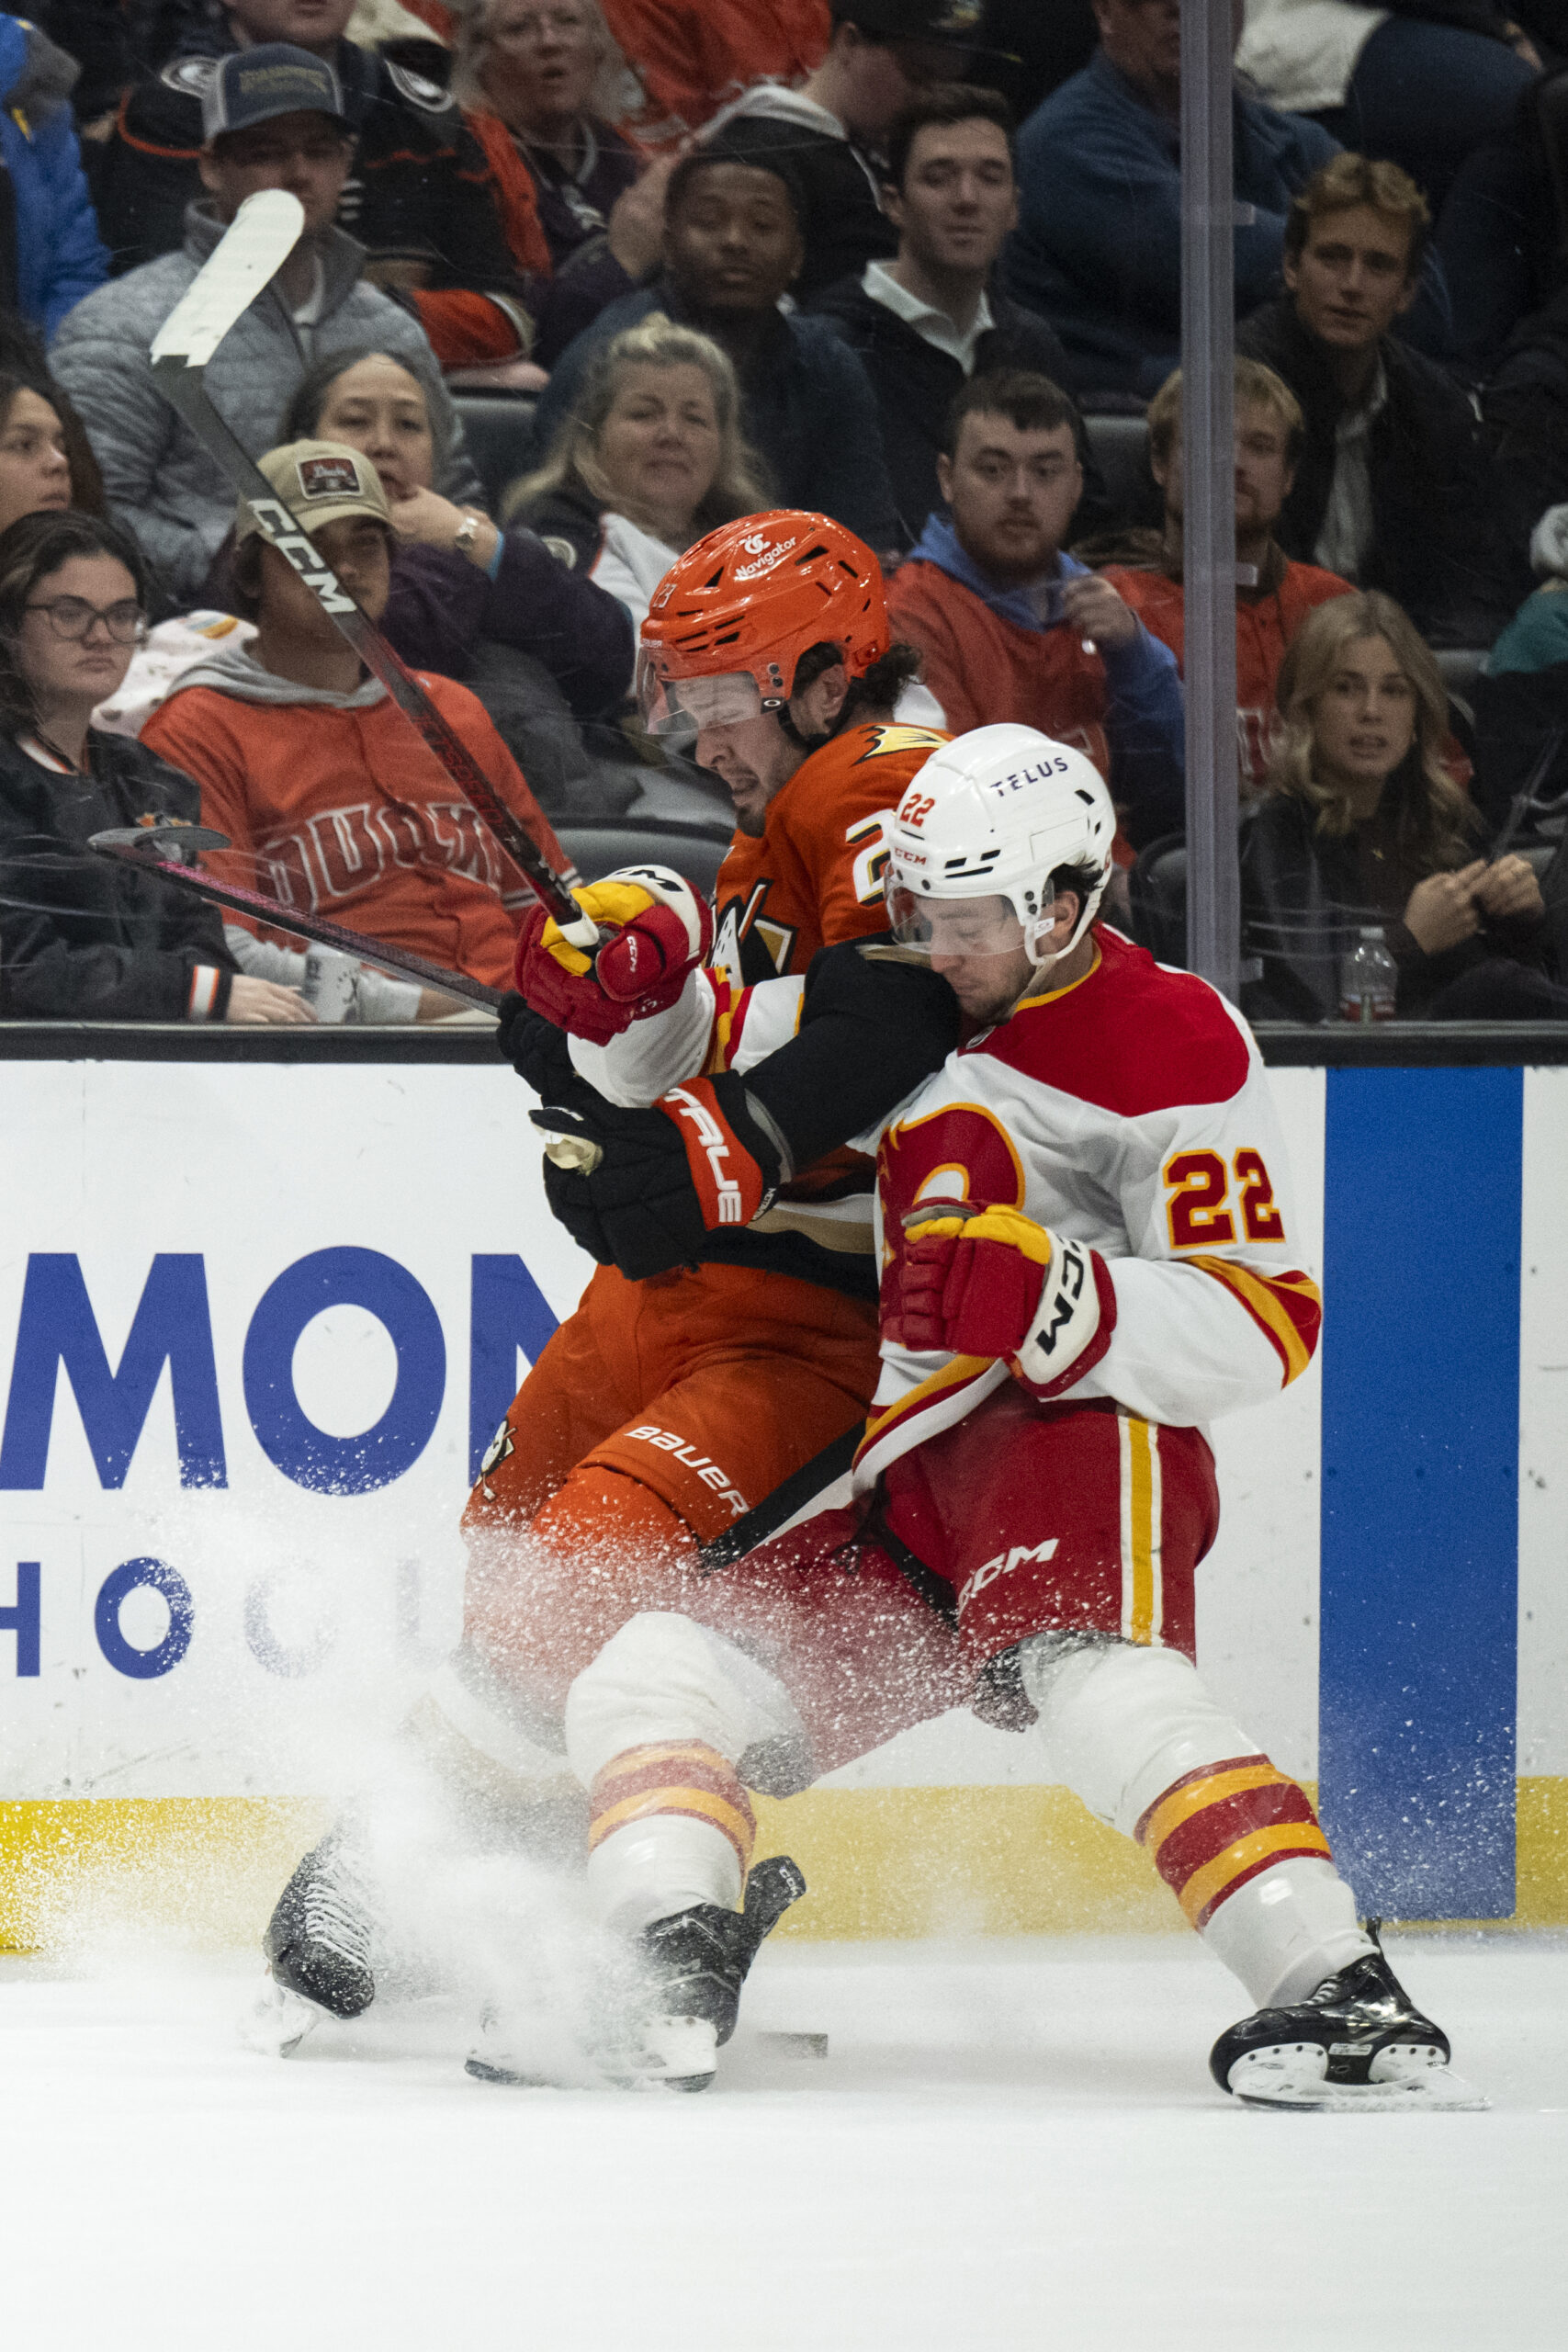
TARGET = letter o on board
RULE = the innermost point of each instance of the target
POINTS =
(144, 1666)
(308, 1455)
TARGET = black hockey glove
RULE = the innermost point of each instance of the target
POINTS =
(536, 1049)
(645, 1190)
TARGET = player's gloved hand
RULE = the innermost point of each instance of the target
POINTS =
(536, 1049)
(660, 931)
(990, 1282)
(644, 1189)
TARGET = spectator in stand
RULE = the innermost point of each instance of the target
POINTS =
(421, 202)
(834, 128)
(1524, 413)
(82, 940)
(584, 212)
(924, 321)
(46, 461)
(691, 56)
(1522, 695)
(1436, 86)
(1364, 827)
(732, 250)
(51, 253)
(1273, 596)
(539, 81)
(1098, 247)
(649, 459)
(159, 481)
(309, 767)
(541, 647)
(1012, 628)
(1392, 490)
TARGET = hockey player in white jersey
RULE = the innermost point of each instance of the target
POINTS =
(1088, 1251)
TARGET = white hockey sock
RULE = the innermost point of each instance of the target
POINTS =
(656, 1867)
(1129, 1728)
(1286, 1930)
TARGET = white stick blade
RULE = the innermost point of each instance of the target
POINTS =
(263, 234)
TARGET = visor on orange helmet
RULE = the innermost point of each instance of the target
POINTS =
(744, 603)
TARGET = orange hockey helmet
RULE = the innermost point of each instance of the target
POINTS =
(738, 610)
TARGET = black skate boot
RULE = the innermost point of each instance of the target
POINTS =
(1357, 2042)
(318, 1939)
(674, 2000)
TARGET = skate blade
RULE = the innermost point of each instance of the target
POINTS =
(491, 2070)
(1429, 2090)
(278, 2021)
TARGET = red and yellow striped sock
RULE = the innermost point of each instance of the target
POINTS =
(1216, 1827)
(673, 1777)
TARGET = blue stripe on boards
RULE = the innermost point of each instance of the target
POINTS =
(1420, 1487)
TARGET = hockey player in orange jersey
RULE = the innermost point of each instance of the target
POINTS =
(663, 1410)
(1088, 1251)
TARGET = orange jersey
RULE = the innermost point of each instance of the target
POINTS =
(815, 874)
(1263, 628)
(693, 56)
(345, 812)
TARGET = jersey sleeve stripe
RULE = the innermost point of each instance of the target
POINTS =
(1287, 1309)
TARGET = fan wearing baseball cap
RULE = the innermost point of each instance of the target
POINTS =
(310, 769)
(836, 124)
(420, 201)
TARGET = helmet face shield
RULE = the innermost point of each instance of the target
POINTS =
(983, 926)
(681, 707)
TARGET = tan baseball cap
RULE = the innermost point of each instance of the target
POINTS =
(320, 481)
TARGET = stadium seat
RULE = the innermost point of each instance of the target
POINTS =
(694, 850)
(499, 430)
(1157, 888)
(1121, 444)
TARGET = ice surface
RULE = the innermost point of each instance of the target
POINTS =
(1012, 2144)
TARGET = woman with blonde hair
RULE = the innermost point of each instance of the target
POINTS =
(648, 458)
(1363, 828)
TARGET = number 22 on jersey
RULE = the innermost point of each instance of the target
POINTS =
(1198, 1199)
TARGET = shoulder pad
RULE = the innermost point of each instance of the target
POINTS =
(188, 77)
(418, 89)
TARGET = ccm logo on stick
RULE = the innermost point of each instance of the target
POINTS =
(1003, 1566)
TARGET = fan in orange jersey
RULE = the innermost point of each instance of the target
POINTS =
(664, 1408)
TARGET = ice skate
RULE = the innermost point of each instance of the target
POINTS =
(1357, 2046)
(686, 1997)
(319, 1940)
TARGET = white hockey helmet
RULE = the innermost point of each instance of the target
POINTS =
(992, 815)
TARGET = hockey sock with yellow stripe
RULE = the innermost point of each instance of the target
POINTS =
(670, 1826)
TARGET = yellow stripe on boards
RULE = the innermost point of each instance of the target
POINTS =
(1282, 1837)
(1199, 1795)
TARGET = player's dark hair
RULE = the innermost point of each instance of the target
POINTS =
(941, 107)
(1031, 403)
(1082, 880)
(35, 546)
(877, 691)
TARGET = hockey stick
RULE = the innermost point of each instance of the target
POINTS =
(789, 1498)
(142, 846)
(263, 234)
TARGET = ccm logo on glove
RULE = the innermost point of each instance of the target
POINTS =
(990, 1282)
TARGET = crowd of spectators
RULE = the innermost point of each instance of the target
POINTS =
(912, 264)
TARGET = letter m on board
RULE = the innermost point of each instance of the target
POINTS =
(57, 1328)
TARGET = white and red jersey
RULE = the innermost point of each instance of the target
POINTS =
(1128, 1112)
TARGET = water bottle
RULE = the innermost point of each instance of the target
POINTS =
(1369, 981)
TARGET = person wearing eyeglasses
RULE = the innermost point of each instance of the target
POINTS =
(80, 939)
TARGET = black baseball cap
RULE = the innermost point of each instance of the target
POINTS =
(255, 85)
(954, 23)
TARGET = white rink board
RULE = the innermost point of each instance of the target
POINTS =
(352, 1597)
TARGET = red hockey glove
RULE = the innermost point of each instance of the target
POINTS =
(990, 1282)
(661, 929)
